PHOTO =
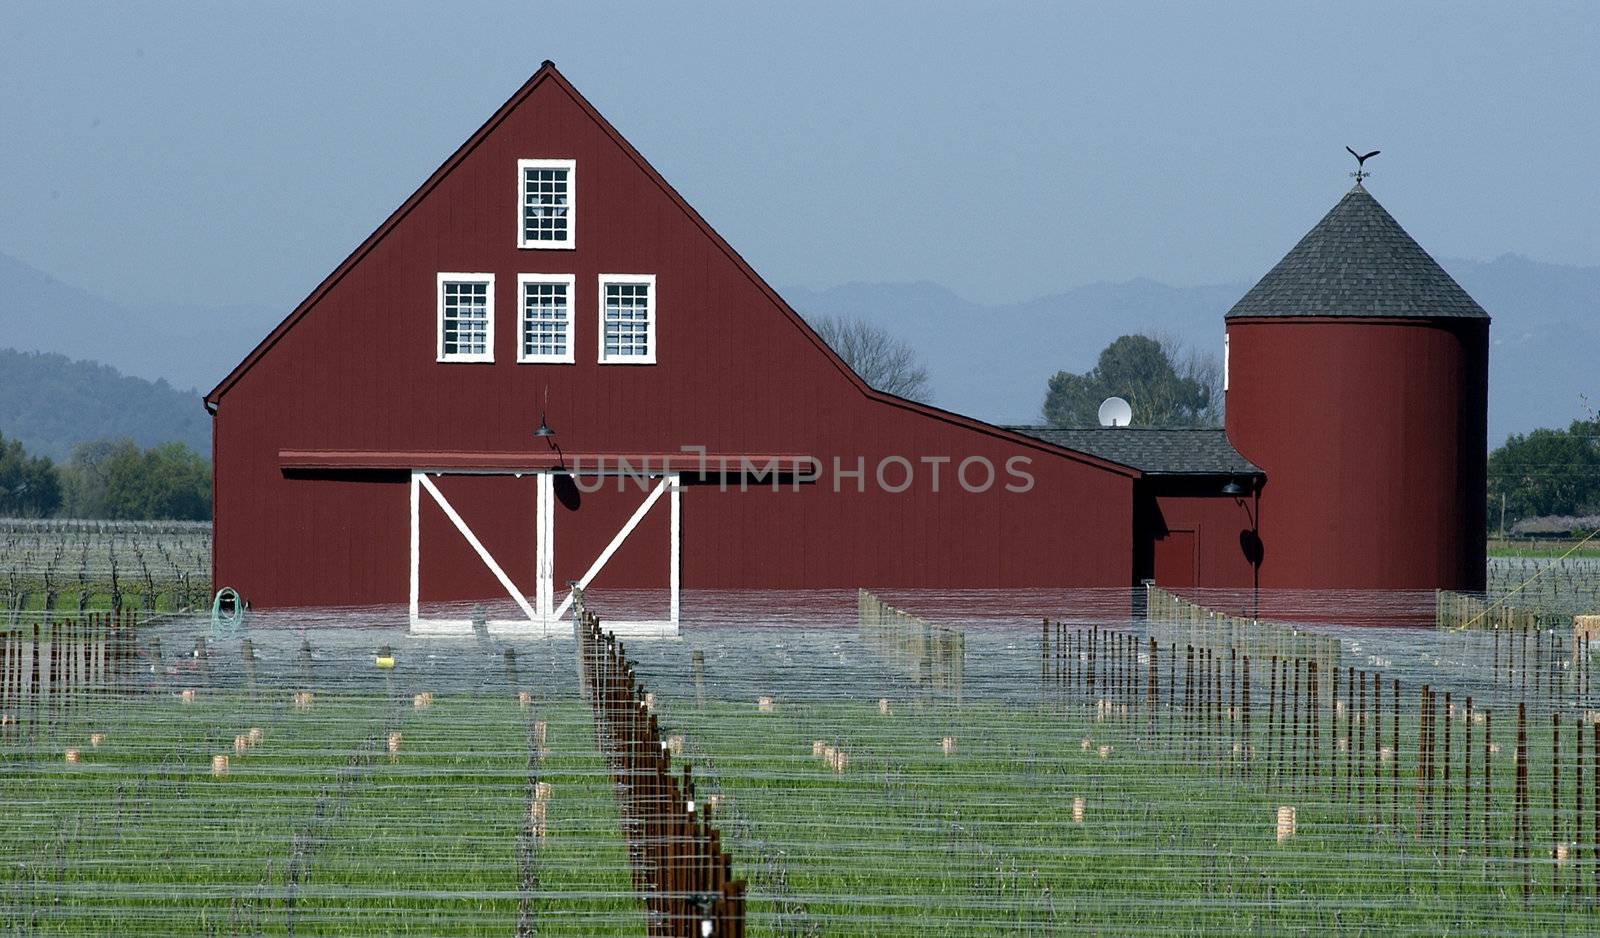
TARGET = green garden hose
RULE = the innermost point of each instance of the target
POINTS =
(228, 621)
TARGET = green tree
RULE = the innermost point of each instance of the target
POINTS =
(1166, 386)
(86, 478)
(176, 484)
(29, 487)
(115, 479)
(1546, 472)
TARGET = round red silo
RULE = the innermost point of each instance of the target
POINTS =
(1357, 379)
(1372, 436)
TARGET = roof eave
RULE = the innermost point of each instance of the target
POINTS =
(1251, 473)
(1374, 318)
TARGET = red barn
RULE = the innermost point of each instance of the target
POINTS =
(545, 368)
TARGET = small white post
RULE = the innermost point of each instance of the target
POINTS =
(544, 589)
(416, 539)
(674, 580)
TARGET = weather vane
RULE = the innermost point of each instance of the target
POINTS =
(1361, 161)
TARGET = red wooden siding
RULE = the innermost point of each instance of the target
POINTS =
(500, 510)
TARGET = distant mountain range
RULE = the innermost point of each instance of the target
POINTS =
(993, 361)
(52, 403)
(190, 345)
(989, 361)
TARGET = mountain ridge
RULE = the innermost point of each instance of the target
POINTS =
(51, 403)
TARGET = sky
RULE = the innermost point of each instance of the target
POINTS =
(235, 153)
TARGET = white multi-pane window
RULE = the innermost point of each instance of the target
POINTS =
(466, 317)
(546, 333)
(545, 191)
(628, 319)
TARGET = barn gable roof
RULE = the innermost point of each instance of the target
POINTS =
(548, 73)
(1358, 261)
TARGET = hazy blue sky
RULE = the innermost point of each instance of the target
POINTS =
(235, 154)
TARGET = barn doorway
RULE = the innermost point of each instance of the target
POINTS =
(483, 547)
(1177, 558)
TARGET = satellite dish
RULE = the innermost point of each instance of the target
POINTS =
(1115, 412)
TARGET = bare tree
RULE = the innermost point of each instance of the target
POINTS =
(882, 361)
(1203, 368)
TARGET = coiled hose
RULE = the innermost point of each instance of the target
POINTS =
(230, 619)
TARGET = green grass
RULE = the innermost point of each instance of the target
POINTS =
(318, 830)
(1545, 549)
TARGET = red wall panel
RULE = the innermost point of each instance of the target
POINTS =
(501, 513)
(587, 521)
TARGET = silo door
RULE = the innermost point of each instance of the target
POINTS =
(1177, 559)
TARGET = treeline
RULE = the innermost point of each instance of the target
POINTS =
(111, 478)
(1546, 472)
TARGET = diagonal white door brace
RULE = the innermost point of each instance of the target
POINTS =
(483, 554)
(611, 548)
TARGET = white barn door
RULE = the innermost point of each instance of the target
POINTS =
(538, 610)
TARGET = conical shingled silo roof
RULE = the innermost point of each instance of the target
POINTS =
(1358, 261)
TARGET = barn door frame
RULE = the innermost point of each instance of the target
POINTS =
(543, 613)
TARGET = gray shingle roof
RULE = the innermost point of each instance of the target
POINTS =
(1357, 261)
(1151, 450)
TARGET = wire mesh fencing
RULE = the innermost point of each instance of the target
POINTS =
(60, 663)
(340, 780)
(1097, 774)
(961, 763)
(1455, 610)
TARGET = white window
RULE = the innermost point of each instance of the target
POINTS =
(546, 333)
(466, 317)
(628, 319)
(545, 190)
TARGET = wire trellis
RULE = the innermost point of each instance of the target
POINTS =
(58, 567)
(916, 763)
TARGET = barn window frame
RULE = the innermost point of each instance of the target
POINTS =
(567, 243)
(569, 281)
(651, 301)
(446, 278)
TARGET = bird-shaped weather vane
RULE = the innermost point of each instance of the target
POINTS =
(1361, 161)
